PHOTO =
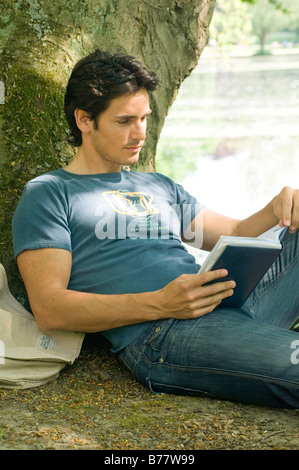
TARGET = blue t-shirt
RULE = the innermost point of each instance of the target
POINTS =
(123, 230)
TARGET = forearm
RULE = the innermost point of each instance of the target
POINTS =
(79, 311)
(282, 210)
(46, 274)
(214, 225)
(257, 223)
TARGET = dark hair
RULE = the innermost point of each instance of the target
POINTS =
(97, 79)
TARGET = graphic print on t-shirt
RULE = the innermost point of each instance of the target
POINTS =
(136, 204)
(133, 215)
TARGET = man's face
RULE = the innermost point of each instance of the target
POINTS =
(121, 131)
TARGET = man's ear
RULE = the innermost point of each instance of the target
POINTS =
(83, 121)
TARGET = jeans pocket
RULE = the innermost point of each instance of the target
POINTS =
(146, 347)
(155, 344)
(155, 341)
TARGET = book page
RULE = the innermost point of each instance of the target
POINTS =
(275, 233)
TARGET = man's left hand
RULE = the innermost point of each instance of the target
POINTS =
(286, 208)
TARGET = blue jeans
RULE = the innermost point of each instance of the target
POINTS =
(247, 355)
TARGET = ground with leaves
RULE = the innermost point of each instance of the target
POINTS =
(96, 404)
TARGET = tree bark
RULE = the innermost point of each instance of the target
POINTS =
(40, 40)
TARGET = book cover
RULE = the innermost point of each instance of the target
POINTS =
(246, 260)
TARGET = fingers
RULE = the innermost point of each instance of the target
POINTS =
(219, 290)
(208, 300)
(288, 208)
(197, 298)
(286, 204)
(210, 276)
(295, 212)
(192, 280)
(210, 296)
(197, 286)
(188, 296)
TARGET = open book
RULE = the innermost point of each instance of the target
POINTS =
(246, 260)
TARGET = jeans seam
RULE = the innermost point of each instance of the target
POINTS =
(227, 372)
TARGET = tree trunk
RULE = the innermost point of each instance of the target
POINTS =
(40, 40)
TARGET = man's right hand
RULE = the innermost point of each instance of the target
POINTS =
(188, 296)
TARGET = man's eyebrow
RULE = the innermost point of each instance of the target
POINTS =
(129, 116)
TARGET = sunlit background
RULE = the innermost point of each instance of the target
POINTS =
(232, 135)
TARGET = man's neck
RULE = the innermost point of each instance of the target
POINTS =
(81, 165)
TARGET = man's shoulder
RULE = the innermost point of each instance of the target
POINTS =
(45, 184)
(51, 176)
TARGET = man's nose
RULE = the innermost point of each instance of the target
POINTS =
(139, 131)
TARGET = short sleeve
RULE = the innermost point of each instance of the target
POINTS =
(188, 207)
(41, 219)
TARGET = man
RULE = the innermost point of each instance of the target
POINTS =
(99, 249)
